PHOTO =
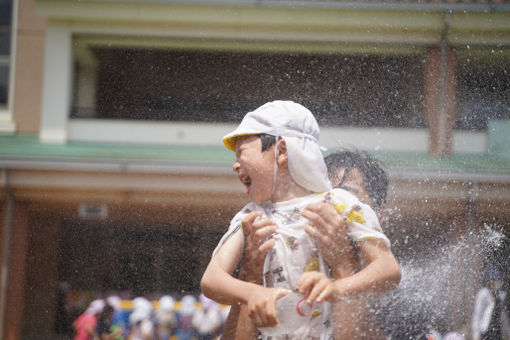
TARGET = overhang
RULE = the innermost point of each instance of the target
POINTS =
(299, 25)
(202, 175)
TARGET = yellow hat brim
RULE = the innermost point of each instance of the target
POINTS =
(230, 141)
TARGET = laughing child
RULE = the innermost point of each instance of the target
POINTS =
(279, 161)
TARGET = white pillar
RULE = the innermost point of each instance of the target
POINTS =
(57, 85)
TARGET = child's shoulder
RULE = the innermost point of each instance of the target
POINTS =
(248, 208)
(340, 194)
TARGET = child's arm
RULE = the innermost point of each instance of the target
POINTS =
(381, 274)
(217, 281)
(218, 284)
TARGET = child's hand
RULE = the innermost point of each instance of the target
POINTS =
(329, 231)
(257, 242)
(316, 287)
(262, 306)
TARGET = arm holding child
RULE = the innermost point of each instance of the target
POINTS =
(382, 272)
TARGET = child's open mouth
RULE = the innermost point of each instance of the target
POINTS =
(245, 180)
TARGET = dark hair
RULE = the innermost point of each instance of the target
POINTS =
(375, 177)
(267, 141)
(107, 312)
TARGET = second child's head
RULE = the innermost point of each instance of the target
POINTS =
(361, 174)
(277, 153)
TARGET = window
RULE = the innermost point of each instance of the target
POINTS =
(128, 83)
(5, 50)
(483, 87)
(101, 256)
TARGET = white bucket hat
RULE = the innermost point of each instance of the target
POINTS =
(142, 310)
(188, 305)
(115, 302)
(297, 126)
(167, 303)
(95, 307)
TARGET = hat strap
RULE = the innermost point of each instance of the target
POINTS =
(275, 168)
(293, 133)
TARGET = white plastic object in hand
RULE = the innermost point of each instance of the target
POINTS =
(292, 311)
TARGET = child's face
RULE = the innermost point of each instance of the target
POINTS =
(254, 167)
(353, 183)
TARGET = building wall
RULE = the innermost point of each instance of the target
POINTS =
(15, 302)
(187, 234)
(29, 68)
(41, 276)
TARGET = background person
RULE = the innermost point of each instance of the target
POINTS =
(185, 329)
(141, 322)
(490, 319)
(364, 176)
(207, 320)
(104, 329)
(165, 317)
(85, 325)
(120, 323)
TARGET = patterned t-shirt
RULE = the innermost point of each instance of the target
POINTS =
(295, 252)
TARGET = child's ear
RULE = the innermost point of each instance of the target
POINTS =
(281, 152)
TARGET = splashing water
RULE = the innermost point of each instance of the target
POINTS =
(491, 239)
(437, 285)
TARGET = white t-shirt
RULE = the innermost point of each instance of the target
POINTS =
(295, 252)
(207, 322)
(482, 313)
(142, 330)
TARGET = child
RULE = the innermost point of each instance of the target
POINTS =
(279, 161)
(85, 325)
(166, 320)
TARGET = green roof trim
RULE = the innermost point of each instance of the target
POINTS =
(499, 138)
(465, 162)
(28, 147)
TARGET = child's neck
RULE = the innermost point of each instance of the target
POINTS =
(288, 191)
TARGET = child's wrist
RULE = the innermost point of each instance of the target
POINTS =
(340, 290)
(342, 270)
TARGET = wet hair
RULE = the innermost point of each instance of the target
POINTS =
(107, 312)
(375, 178)
(267, 141)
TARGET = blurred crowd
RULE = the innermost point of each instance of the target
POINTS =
(121, 316)
(141, 318)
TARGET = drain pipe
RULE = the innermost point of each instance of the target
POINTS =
(7, 248)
